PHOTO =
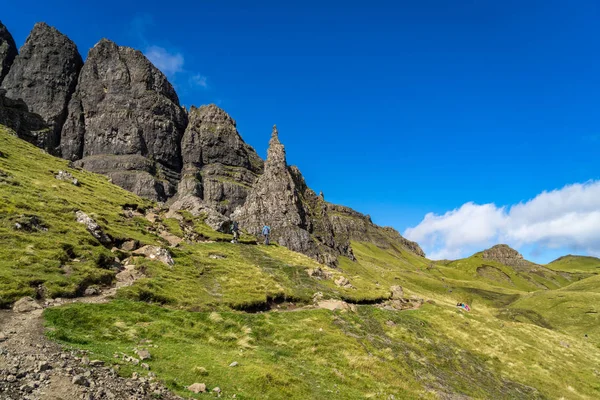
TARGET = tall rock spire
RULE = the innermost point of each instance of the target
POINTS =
(44, 75)
(8, 51)
(275, 201)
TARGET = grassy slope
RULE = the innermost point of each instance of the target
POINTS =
(191, 312)
(576, 264)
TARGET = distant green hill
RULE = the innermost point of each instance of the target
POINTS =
(255, 305)
(572, 263)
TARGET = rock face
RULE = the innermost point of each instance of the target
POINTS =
(352, 225)
(502, 253)
(27, 125)
(219, 167)
(8, 51)
(44, 75)
(124, 120)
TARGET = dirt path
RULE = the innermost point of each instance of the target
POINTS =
(32, 367)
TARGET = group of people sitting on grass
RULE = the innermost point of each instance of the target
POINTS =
(235, 229)
(464, 306)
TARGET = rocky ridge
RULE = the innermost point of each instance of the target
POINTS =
(8, 51)
(118, 115)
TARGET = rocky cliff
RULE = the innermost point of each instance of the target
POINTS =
(8, 51)
(118, 115)
(124, 120)
(218, 166)
(44, 75)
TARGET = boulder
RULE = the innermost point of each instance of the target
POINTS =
(197, 388)
(155, 253)
(92, 227)
(397, 292)
(143, 354)
(130, 245)
(25, 304)
(8, 51)
(44, 75)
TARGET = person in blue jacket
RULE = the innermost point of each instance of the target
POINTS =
(266, 231)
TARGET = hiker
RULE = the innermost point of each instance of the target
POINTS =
(236, 232)
(266, 231)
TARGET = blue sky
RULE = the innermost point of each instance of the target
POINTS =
(395, 108)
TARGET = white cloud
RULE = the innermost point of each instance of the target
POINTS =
(199, 80)
(563, 218)
(168, 63)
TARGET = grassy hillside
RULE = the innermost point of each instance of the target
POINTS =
(222, 303)
(572, 263)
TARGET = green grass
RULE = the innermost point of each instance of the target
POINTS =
(218, 303)
(292, 355)
(576, 264)
(64, 259)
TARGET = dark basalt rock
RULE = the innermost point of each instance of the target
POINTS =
(28, 126)
(219, 167)
(125, 106)
(44, 76)
(8, 51)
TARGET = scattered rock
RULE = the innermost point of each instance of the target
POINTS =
(66, 176)
(319, 273)
(215, 256)
(143, 354)
(197, 388)
(92, 291)
(234, 364)
(130, 245)
(80, 380)
(96, 363)
(336, 305)
(343, 282)
(397, 292)
(156, 253)
(173, 240)
(44, 366)
(217, 390)
(92, 227)
(26, 304)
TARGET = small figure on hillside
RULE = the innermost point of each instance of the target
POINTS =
(266, 231)
(235, 229)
